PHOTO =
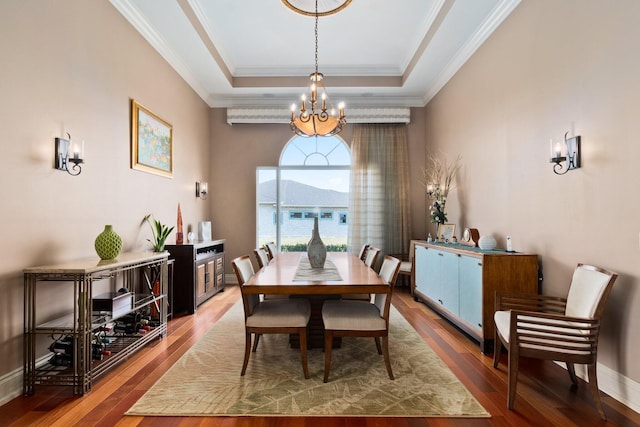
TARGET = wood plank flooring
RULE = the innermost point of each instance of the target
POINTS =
(545, 395)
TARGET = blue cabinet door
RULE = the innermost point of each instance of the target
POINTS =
(449, 293)
(434, 274)
(421, 269)
(470, 284)
(428, 272)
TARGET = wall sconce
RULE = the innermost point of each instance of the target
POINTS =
(202, 188)
(568, 152)
(64, 155)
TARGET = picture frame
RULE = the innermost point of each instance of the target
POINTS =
(151, 142)
(446, 232)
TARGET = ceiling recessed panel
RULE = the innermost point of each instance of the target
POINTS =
(258, 52)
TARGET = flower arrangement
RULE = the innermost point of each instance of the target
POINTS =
(439, 179)
(160, 232)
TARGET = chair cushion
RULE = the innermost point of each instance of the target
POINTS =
(585, 292)
(547, 335)
(405, 267)
(341, 315)
(277, 313)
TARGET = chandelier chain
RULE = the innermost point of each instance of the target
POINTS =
(317, 122)
(316, 37)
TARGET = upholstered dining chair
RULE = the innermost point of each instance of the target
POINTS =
(363, 252)
(261, 257)
(271, 249)
(349, 318)
(406, 264)
(554, 328)
(370, 259)
(276, 316)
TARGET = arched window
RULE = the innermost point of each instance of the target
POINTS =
(312, 180)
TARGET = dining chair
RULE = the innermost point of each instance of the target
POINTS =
(261, 257)
(349, 318)
(371, 257)
(271, 249)
(406, 263)
(363, 251)
(276, 316)
(554, 328)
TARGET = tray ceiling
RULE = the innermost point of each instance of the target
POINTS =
(259, 53)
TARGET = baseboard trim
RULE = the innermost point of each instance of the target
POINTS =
(623, 389)
(10, 386)
(11, 382)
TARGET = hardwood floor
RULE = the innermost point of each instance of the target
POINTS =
(545, 396)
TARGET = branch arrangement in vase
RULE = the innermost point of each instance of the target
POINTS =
(439, 178)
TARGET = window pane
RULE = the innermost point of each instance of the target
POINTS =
(311, 193)
(266, 227)
(312, 181)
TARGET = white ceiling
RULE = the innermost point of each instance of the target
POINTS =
(259, 53)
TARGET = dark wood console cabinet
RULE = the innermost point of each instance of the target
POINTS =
(198, 273)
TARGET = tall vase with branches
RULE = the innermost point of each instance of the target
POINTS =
(439, 177)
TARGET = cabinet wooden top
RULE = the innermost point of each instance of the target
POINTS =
(200, 244)
(95, 264)
(467, 250)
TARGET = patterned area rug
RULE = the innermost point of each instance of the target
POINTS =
(207, 381)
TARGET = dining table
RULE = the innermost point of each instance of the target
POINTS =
(289, 273)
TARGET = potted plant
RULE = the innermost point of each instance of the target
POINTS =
(160, 233)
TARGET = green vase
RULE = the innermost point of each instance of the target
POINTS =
(108, 244)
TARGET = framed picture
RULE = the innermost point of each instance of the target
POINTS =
(446, 232)
(151, 142)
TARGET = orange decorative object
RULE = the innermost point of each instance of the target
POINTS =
(179, 234)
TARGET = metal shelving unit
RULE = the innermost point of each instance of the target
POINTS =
(143, 273)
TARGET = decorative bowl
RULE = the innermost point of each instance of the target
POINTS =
(487, 243)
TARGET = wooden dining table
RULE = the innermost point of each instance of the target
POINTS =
(279, 278)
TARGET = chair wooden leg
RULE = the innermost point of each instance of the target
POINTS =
(247, 352)
(572, 373)
(328, 346)
(303, 351)
(497, 348)
(255, 342)
(385, 352)
(595, 391)
(378, 345)
(512, 376)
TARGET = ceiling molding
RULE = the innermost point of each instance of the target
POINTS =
(139, 22)
(499, 14)
(434, 38)
(283, 115)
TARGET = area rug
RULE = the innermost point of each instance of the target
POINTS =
(206, 381)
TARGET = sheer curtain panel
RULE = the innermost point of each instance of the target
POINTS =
(379, 193)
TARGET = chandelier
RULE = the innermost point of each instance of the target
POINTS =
(317, 121)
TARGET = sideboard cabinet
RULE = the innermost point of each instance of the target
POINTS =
(460, 283)
(118, 306)
(198, 273)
